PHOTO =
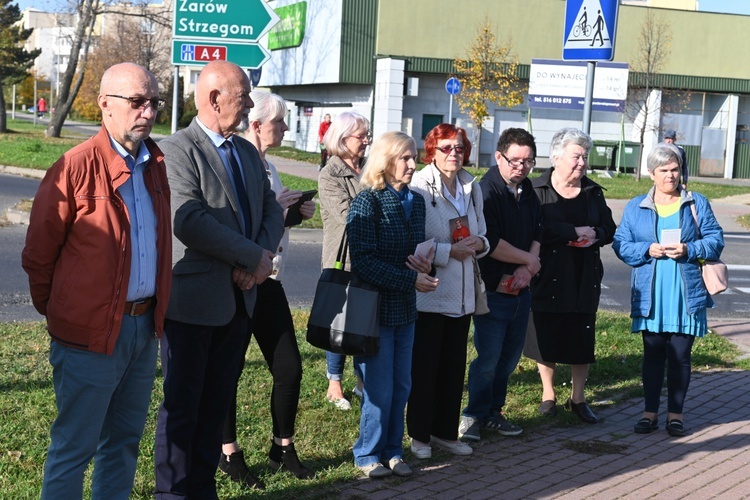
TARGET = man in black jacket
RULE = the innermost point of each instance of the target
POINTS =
(514, 231)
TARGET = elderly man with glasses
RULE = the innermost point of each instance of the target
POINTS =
(98, 254)
(514, 229)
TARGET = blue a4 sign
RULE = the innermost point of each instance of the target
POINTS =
(589, 33)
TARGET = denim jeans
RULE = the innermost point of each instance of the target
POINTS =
(102, 403)
(335, 366)
(387, 379)
(498, 337)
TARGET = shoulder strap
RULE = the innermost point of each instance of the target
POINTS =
(695, 216)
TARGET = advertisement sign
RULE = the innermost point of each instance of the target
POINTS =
(562, 85)
(290, 30)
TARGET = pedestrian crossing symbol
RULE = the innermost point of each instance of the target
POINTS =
(590, 30)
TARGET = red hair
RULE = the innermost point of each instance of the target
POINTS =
(445, 131)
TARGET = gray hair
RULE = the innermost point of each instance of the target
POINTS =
(662, 154)
(267, 107)
(342, 127)
(566, 136)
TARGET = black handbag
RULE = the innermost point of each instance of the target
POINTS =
(345, 315)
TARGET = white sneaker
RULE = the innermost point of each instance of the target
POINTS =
(455, 447)
(422, 452)
(341, 403)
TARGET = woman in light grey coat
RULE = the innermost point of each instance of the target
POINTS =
(346, 140)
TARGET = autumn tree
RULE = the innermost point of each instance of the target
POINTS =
(15, 61)
(648, 63)
(129, 39)
(88, 11)
(488, 76)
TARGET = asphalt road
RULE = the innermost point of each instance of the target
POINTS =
(303, 267)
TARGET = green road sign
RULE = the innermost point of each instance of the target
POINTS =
(231, 20)
(245, 55)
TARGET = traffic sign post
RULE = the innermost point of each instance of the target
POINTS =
(590, 27)
(245, 55)
(453, 87)
(589, 35)
(219, 30)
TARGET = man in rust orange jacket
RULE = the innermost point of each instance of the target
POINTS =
(98, 255)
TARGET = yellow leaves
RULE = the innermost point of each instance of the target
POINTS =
(488, 75)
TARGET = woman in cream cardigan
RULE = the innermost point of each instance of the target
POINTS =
(453, 200)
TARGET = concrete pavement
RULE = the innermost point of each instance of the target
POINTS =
(606, 460)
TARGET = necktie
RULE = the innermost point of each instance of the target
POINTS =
(239, 185)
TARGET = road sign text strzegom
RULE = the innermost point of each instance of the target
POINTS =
(238, 20)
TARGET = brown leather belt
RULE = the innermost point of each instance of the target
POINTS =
(139, 307)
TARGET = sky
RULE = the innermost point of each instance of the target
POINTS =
(729, 6)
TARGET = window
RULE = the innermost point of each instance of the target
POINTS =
(429, 122)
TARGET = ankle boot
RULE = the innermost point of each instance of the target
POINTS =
(286, 457)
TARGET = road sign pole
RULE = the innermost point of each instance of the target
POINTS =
(589, 97)
(175, 97)
(450, 109)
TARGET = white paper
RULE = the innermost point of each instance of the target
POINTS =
(423, 248)
(670, 237)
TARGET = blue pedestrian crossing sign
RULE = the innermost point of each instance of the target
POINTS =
(589, 33)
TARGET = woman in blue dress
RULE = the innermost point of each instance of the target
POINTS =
(659, 238)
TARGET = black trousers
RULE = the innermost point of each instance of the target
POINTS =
(658, 349)
(200, 364)
(437, 376)
(274, 331)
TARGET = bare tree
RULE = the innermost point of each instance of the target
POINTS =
(88, 11)
(647, 65)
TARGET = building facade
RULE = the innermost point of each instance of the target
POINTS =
(390, 59)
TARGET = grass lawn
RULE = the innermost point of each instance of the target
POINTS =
(324, 435)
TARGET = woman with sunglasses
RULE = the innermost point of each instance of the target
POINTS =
(455, 220)
(338, 183)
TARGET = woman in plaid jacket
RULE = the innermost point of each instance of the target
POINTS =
(384, 226)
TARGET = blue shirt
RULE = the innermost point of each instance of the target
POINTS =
(218, 140)
(405, 197)
(140, 208)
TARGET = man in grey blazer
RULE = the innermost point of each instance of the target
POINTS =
(226, 222)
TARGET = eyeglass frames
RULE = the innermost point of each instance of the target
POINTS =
(529, 163)
(446, 150)
(363, 137)
(140, 102)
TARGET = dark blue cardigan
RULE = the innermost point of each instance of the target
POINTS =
(380, 240)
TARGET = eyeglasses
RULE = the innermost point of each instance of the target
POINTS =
(528, 163)
(363, 137)
(446, 150)
(140, 102)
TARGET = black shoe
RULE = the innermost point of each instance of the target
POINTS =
(548, 408)
(286, 457)
(646, 425)
(675, 428)
(235, 467)
(582, 410)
